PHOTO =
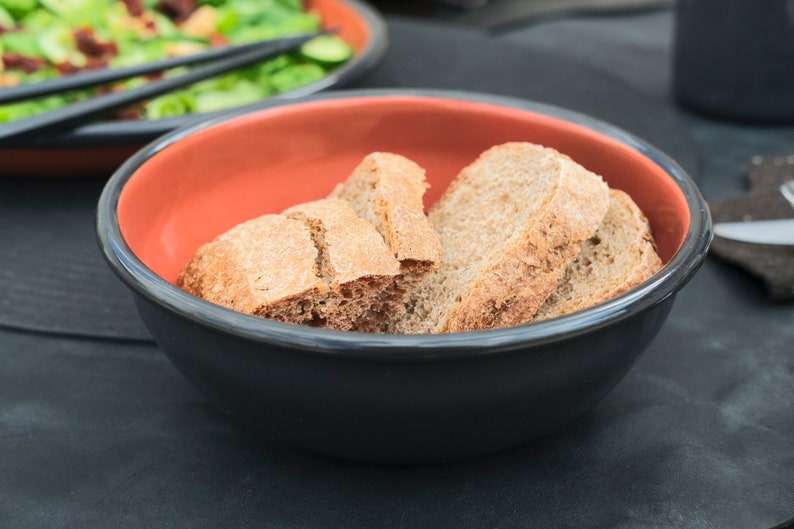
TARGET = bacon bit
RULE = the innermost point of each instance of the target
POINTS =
(89, 45)
(108, 89)
(23, 62)
(66, 68)
(95, 63)
(134, 7)
(177, 10)
(129, 113)
(92, 63)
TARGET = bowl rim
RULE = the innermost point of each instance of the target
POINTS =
(107, 133)
(390, 347)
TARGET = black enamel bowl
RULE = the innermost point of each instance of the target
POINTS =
(384, 398)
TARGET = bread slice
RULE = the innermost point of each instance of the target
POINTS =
(509, 224)
(386, 190)
(355, 264)
(620, 256)
(324, 263)
(317, 264)
(266, 267)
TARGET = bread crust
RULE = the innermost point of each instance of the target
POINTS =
(338, 267)
(243, 269)
(621, 255)
(356, 265)
(351, 248)
(511, 244)
(386, 189)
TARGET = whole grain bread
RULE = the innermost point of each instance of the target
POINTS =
(324, 263)
(509, 224)
(317, 264)
(266, 267)
(356, 265)
(620, 256)
(387, 189)
(522, 233)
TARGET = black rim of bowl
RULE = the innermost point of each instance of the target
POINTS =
(385, 347)
(139, 131)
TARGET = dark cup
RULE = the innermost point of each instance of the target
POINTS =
(735, 58)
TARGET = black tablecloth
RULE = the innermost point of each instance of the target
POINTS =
(98, 430)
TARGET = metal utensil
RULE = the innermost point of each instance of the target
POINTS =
(107, 75)
(777, 232)
(69, 116)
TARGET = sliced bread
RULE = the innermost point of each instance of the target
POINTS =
(620, 256)
(355, 264)
(266, 267)
(317, 264)
(509, 224)
(386, 190)
(324, 263)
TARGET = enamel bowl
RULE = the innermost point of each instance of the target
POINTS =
(384, 398)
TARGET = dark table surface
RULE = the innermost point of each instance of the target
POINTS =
(97, 429)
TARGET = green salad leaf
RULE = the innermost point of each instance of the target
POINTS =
(18, 8)
(41, 39)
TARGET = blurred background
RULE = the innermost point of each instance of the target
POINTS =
(500, 14)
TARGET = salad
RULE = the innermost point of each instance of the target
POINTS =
(42, 39)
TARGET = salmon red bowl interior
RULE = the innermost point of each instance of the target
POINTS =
(266, 161)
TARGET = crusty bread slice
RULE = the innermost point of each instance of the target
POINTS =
(336, 266)
(386, 190)
(355, 263)
(620, 256)
(266, 266)
(317, 264)
(509, 225)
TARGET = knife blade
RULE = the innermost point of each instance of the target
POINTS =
(778, 232)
